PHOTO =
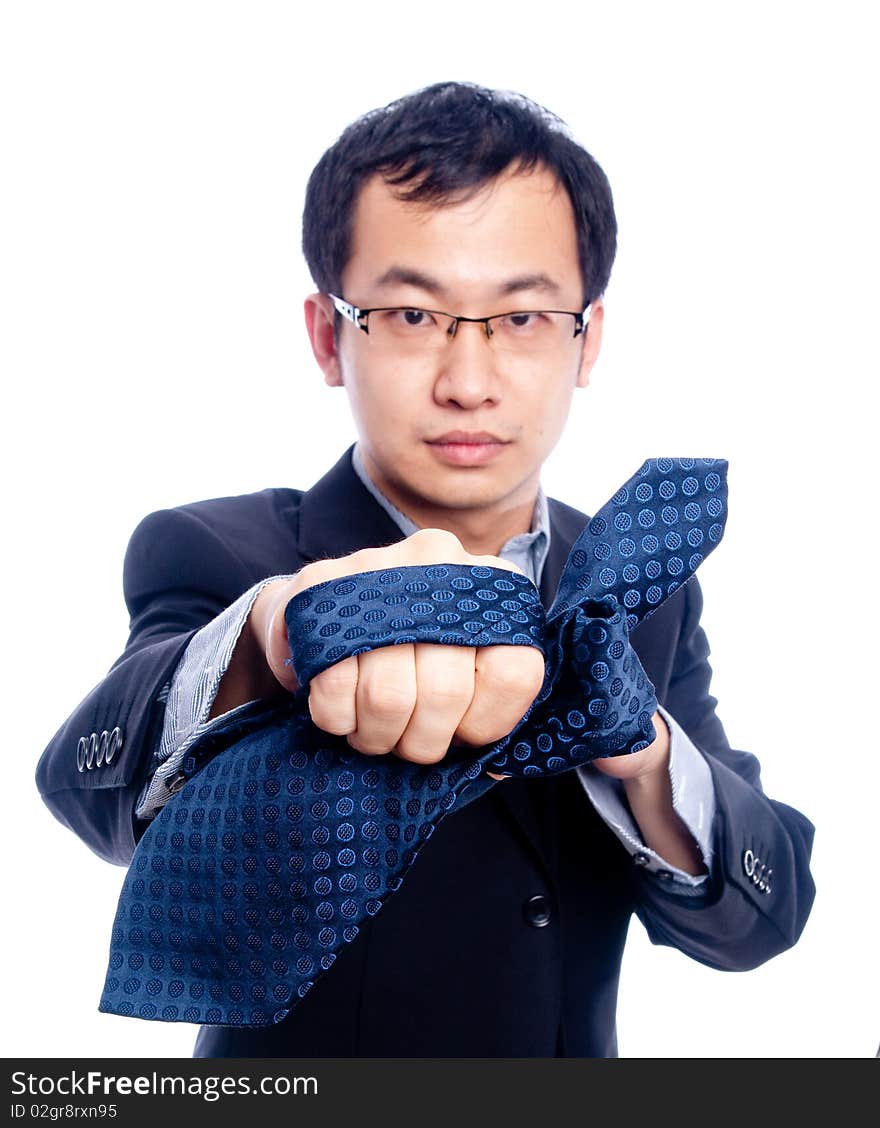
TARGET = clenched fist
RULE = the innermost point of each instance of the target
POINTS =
(413, 699)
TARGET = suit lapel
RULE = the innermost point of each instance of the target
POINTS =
(339, 516)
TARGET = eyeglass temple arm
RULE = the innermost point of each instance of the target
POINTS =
(352, 313)
(580, 326)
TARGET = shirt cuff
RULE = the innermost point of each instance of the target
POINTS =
(191, 693)
(693, 799)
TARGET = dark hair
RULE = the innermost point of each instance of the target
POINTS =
(446, 142)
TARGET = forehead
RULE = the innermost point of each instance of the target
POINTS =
(516, 225)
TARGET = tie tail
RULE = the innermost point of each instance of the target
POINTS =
(649, 538)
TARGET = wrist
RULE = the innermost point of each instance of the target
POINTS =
(653, 761)
(649, 795)
(248, 676)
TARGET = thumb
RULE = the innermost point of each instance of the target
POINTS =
(277, 647)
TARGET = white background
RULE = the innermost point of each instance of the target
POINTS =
(155, 157)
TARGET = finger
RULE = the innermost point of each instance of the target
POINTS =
(332, 697)
(385, 697)
(425, 546)
(508, 679)
(431, 546)
(496, 562)
(445, 686)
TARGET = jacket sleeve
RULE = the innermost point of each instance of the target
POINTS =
(761, 890)
(177, 575)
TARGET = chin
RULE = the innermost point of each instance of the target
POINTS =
(467, 495)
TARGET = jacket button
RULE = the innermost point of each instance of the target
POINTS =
(537, 911)
(641, 860)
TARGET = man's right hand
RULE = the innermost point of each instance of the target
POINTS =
(412, 699)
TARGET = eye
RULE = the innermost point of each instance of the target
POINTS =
(410, 318)
(521, 322)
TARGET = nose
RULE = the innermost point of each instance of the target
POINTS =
(468, 376)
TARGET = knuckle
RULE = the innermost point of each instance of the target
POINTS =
(480, 731)
(533, 669)
(435, 545)
(365, 560)
(512, 676)
(365, 746)
(310, 575)
(328, 719)
(507, 683)
(337, 680)
(417, 753)
(335, 567)
(386, 697)
(453, 691)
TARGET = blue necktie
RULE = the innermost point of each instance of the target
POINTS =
(251, 880)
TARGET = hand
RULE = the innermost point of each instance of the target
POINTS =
(414, 699)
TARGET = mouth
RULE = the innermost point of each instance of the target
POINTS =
(464, 448)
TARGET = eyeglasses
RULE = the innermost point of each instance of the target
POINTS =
(410, 329)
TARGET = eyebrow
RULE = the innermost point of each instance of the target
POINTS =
(407, 276)
(530, 282)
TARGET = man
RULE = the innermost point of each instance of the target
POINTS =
(461, 243)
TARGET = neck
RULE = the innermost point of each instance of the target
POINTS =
(482, 530)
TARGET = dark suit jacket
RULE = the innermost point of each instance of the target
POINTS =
(462, 961)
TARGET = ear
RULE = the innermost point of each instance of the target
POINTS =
(320, 315)
(592, 342)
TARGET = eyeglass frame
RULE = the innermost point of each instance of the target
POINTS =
(354, 314)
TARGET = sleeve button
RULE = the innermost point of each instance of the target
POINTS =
(114, 745)
(102, 748)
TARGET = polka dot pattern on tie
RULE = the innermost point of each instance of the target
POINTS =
(651, 536)
(245, 888)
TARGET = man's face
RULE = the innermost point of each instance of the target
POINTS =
(513, 246)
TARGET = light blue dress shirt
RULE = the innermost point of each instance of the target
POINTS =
(195, 682)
